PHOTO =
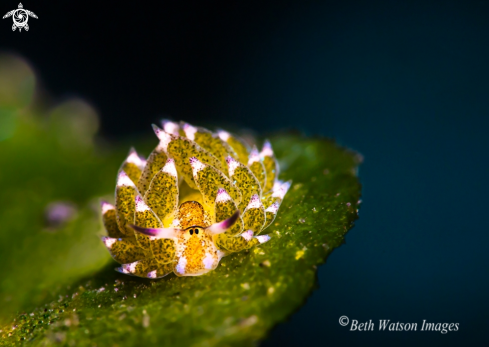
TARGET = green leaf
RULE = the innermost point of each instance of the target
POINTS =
(59, 284)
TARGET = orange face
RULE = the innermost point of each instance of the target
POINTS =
(195, 252)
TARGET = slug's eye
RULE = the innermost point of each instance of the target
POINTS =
(196, 231)
(191, 231)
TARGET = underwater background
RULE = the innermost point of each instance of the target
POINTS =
(405, 83)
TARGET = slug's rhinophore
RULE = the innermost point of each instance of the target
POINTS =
(179, 210)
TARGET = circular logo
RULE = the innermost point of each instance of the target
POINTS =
(344, 321)
(20, 17)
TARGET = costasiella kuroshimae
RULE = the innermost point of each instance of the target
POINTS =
(179, 209)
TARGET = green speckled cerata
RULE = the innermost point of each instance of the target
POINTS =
(198, 197)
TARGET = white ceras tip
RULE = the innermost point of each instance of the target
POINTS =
(247, 235)
(152, 274)
(130, 268)
(106, 207)
(263, 238)
(170, 168)
(254, 156)
(277, 184)
(189, 131)
(164, 137)
(267, 150)
(135, 159)
(141, 205)
(196, 165)
(170, 127)
(123, 180)
(255, 202)
(143, 162)
(222, 196)
(108, 241)
(223, 135)
(233, 164)
(273, 208)
(280, 190)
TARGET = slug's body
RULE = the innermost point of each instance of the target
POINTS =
(178, 211)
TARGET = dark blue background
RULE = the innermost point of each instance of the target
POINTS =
(406, 83)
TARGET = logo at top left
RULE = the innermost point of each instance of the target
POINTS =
(20, 17)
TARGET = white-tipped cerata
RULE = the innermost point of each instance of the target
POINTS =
(170, 168)
(196, 165)
(141, 205)
(152, 274)
(143, 162)
(164, 137)
(170, 127)
(223, 135)
(108, 241)
(130, 268)
(222, 196)
(263, 238)
(135, 159)
(267, 150)
(247, 235)
(276, 185)
(123, 180)
(281, 190)
(106, 207)
(273, 208)
(189, 131)
(255, 202)
(254, 156)
(233, 164)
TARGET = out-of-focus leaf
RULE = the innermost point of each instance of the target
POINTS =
(49, 163)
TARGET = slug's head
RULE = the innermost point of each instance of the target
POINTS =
(195, 250)
(195, 253)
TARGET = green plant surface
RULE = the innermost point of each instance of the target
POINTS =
(48, 155)
(45, 162)
(59, 286)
